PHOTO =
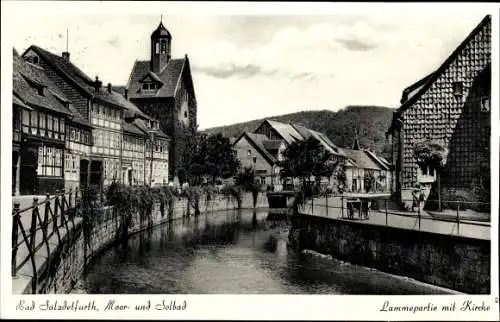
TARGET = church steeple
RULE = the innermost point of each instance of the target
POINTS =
(355, 145)
(161, 41)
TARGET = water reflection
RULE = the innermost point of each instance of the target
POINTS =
(231, 252)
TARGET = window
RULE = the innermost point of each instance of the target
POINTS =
(56, 127)
(41, 123)
(458, 89)
(35, 60)
(41, 90)
(185, 114)
(50, 161)
(163, 46)
(157, 48)
(485, 104)
(249, 152)
(149, 86)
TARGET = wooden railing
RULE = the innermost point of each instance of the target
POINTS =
(58, 212)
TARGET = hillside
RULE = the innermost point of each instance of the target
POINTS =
(372, 122)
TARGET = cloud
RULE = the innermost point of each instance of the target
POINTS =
(292, 63)
(232, 70)
(355, 45)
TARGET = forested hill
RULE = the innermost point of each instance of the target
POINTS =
(372, 123)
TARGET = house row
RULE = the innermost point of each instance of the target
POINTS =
(70, 131)
(262, 150)
(450, 107)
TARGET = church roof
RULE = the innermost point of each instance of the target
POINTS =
(170, 77)
(161, 32)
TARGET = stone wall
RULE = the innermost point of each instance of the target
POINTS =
(454, 262)
(67, 260)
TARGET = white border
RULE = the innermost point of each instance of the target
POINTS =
(268, 307)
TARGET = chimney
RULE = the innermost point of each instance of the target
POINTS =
(97, 84)
(109, 87)
(65, 55)
(126, 93)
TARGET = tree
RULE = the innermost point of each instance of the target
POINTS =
(305, 160)
(246, 179)
(369, 181)
(210, 156)
(430, 153)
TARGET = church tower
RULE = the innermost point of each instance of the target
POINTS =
(161, 41)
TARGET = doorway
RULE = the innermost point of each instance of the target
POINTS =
(84, 173)
(29, 159)
(95, 173)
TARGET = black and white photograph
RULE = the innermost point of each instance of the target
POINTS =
(169, 149)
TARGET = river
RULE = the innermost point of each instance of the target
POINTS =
(231, 253)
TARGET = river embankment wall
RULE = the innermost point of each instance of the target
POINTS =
(60, 268)
(455, 262)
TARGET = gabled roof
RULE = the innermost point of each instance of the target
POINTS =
(257, 141)
(132, 128)
(75, 117)
(131, 109)
(271, 145)
(169, 77)
(152, 76)
(323, 139)
(17, 101)
(416, 90)
(73, 74)
(364, 159)
(27, 79)
(286, 131)
(430, 79)
(141, 124)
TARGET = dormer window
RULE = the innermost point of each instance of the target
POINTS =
(41, 90)
(149, 86)
(35, 60)
(485, 104)
(458, 89)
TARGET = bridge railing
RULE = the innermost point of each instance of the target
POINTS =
(35, 225)
(362, 209)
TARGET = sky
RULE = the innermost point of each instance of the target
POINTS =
(247, 67)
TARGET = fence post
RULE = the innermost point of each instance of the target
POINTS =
(418, 217)
(326, 201)
(69, 198)
(33, 224)
(386, 213)
(342, 205)
(15, 234)
(458, 218)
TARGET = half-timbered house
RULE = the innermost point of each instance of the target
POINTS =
(98, 105)
(42, 137)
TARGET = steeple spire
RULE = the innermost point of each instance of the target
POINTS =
(355, 145)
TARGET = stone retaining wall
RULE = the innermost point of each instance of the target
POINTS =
(455, 262)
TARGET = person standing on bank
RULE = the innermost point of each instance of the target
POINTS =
(416, 198)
